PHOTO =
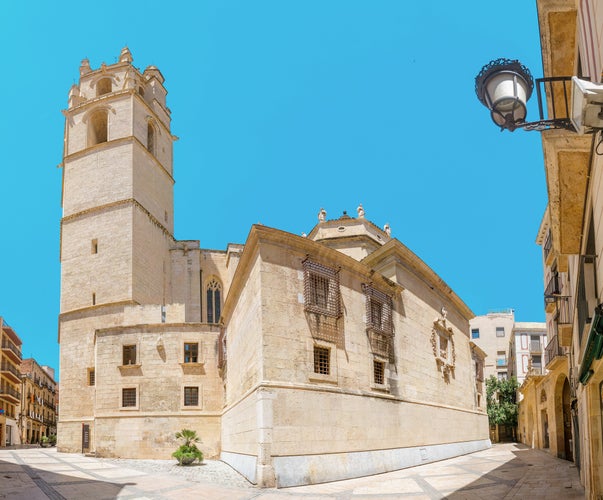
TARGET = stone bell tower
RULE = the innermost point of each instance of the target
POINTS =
(117, 222)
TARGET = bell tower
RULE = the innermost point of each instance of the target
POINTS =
(117, 222)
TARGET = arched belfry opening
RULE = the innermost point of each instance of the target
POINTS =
(98, 127)
(103, 86)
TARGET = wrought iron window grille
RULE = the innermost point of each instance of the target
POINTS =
(379, 320)
(321, 289)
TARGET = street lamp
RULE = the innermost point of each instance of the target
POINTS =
(505, 85)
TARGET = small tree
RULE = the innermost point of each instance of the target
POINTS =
(188, 452)
(501, 399)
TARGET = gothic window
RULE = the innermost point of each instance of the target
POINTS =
(379, 321)
(321, 289)
(214, 289)
(151, 138)
(103, 86)
(97, 127)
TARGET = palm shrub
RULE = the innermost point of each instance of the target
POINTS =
(188, 452)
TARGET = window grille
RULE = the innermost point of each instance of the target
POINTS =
(379, 372)
(191, 353)
(321, 289)
(191, 396)
(379, 320)
(129, 357)
(91, 377)
(322, 360)
(128, 397)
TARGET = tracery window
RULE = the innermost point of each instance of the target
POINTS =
(214, 289)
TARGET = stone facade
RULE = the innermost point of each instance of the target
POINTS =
(10, 384)
(297, 359)
(38, 402)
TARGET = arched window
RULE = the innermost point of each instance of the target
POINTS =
(150, 138)
(103, 86)
(213, 301)
(97, 127)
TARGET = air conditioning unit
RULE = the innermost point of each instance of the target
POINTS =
(587, 105)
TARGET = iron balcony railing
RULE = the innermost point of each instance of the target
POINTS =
(7, 367)
(554, 286)
(10, 391)
(548, 244)
(552, 350)
(7, 344)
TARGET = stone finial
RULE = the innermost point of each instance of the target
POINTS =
(387, 229)
(304, 235)
(360, 211)
(125, 55)
(85, 67)
(444, 312)
(322, 215)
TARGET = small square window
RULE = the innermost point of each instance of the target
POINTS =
(475, 333)
(91, 376)
(379, 372)
(128, 397)
(191, 396)
(191, 352)
(500, 331)
(129, 355)
(322, 360)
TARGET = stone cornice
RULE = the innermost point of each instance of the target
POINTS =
(394, 249)
(116, 204)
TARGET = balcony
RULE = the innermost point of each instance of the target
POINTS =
(565, 320)
(10, 372)
(11, 395)
(554, 354)
(535, 346)
(547, 248)
(12, 351)
(552, 290)
(535, 370)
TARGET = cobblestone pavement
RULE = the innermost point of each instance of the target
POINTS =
(507, 471)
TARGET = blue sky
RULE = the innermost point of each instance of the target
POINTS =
(284, 107)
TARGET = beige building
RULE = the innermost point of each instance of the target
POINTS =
(492, 333)
(526, 350)
(562, 410)
(297, 359)
(10, 384)
(38, 412)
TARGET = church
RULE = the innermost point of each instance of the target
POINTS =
(297, 359)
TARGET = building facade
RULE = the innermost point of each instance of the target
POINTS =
(492, 333)
(562, 410)
(10, 384)
(280, 352)
(38, 411)
(527, 350)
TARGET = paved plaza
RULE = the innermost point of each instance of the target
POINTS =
(504, 471)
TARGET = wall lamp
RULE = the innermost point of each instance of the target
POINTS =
(504, 86)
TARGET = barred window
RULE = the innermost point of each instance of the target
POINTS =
(128, 397)
(191, 352)
(321, 289)
(91, 376)
(379, 320)
(379, 371)
(322, 360)
(191, 396)
(129, 355)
